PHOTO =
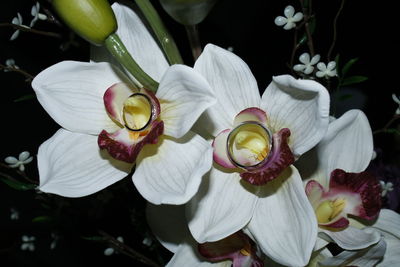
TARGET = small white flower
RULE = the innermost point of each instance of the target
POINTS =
(110, 251)
(11, 64)
(290, 19)
(36, 14)
(308, 65)
(147, 241)
(14, 214)
(23, 158)
(28, 243)
(397, 101)
(326, 71)
(17, 21)
(386, 187)
(230, 48)
(55, 238)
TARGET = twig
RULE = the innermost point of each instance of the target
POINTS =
(335, 30)
(29, 77)
(385, 128)
(20, 173)
(27, 29)
(128, 251)
(306, 14)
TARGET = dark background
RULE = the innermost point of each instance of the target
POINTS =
(365, 31)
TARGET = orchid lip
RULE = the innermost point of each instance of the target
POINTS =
(137, 112)
(256, 141)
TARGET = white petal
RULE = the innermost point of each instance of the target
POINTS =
(280, 21)
(309, 69)
(289, 25)
(300, 105)
(299, 67)
(305, 58)
(320, 74)
(331, 65)
(233, 83)
(315, 59)
(367, 257)
(23, 156)
(72, 93)
(184, 96)
(284, 223)
(168, 224)
(352, 238)
(388, 221)
(391, 257)
(139, 42)
(71, 165)
(187, 255)
(297, 17)
(11, 160)
(170, 171)
(108, 251)
(223, 205)
(14, 35)
(289, 11)
(321, 66)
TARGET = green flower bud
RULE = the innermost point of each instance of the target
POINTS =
(188, 12)
(93, 20)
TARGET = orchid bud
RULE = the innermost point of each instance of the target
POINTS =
(93, 20)
(188, 12)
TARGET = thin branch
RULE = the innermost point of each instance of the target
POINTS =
(20, 173)
(27, 29)
(386, 127)
(29, 77)
(335, 30)
(128, 251)
(306, 14)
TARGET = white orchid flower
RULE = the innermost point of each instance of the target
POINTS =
(337, 185)
(253, 147)
(289, 20)
(98, 107)
(327, 71)
(308, 65)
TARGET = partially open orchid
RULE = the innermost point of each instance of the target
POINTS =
(109, 125)
(338, 186)
(257, 139)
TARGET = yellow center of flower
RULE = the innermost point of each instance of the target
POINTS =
(329, 209)
(246, 250)
(137, 112)
(249, 144)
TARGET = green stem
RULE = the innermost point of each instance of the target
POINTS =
(164, 38)
(121, 54)
(194, 40)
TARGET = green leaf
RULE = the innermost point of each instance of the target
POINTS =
(348, 65)
(17, 184)
(25, 97)
(42, 219)
(353, 80)
(337, 58)
(393, 131)
(94, 238)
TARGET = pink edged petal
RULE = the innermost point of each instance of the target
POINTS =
(352, 238)
(72, 93)
(251, 114)
(220, 154)
(170, 171)
(366, 189)
(367, 257)
(187, 255)
(284, 224)
(279, 158)
(123, 146)
(238, 248)
(314, 192)
(71, 165)
(168, 224)
(184, 96)
(300, 105)
(114, 99)
(233, 83)
(138, 41)
(222, 206)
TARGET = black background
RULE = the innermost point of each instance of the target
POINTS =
(366, 30)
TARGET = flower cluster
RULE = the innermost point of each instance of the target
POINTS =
(231, 176)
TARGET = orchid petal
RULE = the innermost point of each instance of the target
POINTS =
(184, 96)
(171, 217)
(306, 111)
(170, 171)
(138, 41)
(234, 86)
(114, 99)
(222, 206)
(251, 114)
(220, 154)
(284, 223)
(187, 255)
(71, 165)
(352, 238)
(72, 93)
(388, 221)
(391, 257)
(367, 257)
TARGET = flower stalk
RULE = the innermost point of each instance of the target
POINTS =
(194, 40)
(164, 38)
(115, 46)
